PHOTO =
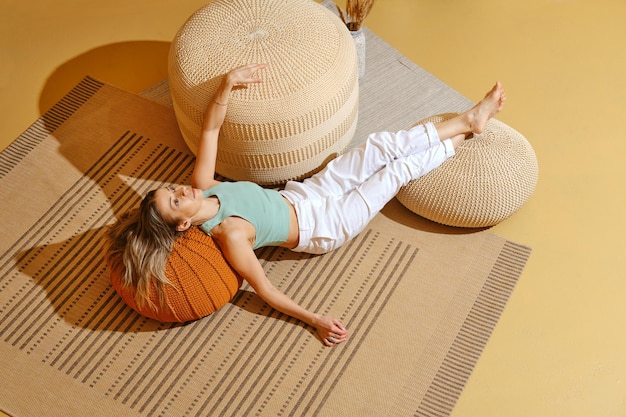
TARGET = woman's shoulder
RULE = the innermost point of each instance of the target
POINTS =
(204, 185)
(213, 186)
(233, 226)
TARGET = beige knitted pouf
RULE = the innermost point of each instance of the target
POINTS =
(305, 110)
(491, 176)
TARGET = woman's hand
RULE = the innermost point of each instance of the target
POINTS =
(246, 74)
(330, 330)
(236, 77)
(203, 175)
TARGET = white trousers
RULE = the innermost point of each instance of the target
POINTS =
(337, 203)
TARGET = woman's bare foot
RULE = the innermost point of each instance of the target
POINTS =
(475, 119)
(478, 116)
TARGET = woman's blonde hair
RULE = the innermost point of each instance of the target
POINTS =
(137, 246)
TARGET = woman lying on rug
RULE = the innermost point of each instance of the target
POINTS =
(314, 216)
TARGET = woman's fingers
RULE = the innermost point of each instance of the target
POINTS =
(246, 74)
(334, 339)
(336, 334)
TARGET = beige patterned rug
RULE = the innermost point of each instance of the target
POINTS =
(421, 300)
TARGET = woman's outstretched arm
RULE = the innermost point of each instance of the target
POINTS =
(236, 247)
(203, 175)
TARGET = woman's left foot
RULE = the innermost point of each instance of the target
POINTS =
(488, 107)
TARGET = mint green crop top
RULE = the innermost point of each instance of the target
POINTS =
(265, 209)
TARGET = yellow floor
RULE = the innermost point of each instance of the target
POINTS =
(560, 348)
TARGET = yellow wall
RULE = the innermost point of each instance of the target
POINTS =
(559, 349)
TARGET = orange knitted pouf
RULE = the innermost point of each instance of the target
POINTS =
(202, 281)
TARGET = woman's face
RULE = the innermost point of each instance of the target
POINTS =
(179, 205)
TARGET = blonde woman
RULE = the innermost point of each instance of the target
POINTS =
(315, 216)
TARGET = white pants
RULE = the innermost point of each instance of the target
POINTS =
(337, 203)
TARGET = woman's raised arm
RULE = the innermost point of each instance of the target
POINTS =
(203, 176)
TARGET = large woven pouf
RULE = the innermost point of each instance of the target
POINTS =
(491, 176)
(305, 110)
(202, 281)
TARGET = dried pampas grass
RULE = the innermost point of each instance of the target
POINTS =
(356, 11)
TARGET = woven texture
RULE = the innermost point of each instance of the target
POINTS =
(202, 281)
(491, 177)
(92, 355)
(305, 111)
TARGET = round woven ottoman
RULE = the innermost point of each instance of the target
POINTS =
(303, 113)
(491, 176)
(202, 281)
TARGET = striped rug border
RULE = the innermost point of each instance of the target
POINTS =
(13, 154)
(471, 339)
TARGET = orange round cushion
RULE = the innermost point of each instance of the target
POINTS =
(202, 281)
